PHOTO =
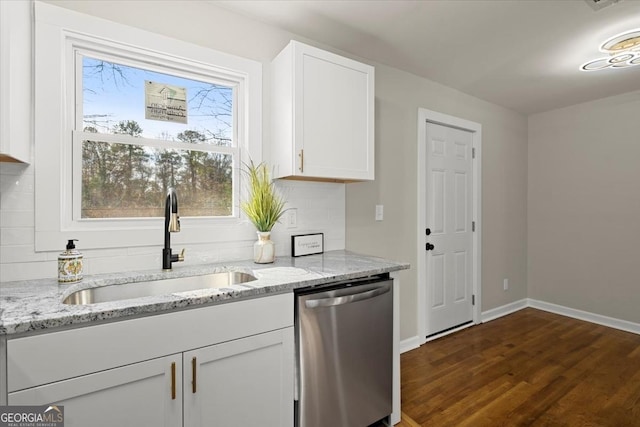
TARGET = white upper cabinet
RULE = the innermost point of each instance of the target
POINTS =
(15, 80)
(322, 116)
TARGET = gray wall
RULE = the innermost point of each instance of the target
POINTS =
(398, 97)
(504, 187)
(584, 207)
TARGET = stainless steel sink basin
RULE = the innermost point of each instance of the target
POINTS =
(157, 287)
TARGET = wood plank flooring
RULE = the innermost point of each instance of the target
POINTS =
(530, 368)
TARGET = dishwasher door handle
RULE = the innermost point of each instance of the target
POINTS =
(346, 299)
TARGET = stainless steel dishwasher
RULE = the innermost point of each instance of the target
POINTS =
(344, 341)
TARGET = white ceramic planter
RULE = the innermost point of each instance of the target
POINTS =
(264, 251)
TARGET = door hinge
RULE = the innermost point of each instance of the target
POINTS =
(473, 300)
(473, 153)
(473, 226)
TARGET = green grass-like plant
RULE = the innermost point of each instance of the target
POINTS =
(264, 206)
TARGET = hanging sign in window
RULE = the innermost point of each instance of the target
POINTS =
(165, 102)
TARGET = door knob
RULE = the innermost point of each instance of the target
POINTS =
(429, 247)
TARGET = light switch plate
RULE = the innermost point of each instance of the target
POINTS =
(292, 218)
(379, 212)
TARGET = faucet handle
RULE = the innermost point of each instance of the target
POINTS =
(181, 255)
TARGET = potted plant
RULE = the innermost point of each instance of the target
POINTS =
(264, 207)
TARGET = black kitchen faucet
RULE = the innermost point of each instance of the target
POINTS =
(171, 225)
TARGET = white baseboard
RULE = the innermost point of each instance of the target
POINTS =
(611, 322)
(497, 312)
(449, 332)
(409, 344)
(599, 319)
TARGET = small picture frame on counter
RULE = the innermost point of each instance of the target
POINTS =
(307, 244)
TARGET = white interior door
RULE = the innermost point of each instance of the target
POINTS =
(449, 239)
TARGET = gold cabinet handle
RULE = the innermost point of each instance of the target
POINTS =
(301, 161)
(173, 381)
(193, 378)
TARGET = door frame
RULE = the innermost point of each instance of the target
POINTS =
(435, 117)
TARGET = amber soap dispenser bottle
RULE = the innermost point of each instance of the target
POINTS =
(70, 264)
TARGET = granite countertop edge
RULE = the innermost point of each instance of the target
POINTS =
(36, 305)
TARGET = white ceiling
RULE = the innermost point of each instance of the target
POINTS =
(522, 54)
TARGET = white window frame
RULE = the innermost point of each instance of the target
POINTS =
(79, 46)
(59, 33)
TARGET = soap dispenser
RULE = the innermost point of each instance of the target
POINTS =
(70, 264)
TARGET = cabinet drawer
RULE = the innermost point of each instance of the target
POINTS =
(55, 356)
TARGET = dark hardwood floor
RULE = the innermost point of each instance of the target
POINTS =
(530, 368)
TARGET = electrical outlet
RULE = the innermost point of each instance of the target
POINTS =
(505, 284)
(379, 212)
(292, 218)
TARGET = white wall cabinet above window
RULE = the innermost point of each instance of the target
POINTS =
(322, 111)
(15, 81)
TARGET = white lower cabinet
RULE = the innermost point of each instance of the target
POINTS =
(120, 374)
(246, 382)
(134, 395)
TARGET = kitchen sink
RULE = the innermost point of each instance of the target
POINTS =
(157, 287)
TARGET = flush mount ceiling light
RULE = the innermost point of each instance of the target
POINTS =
(599, 4)
(623, 51)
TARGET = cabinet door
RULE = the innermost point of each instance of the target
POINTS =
(334, 113)
(245, 382)
(15, 80)
(141, 394)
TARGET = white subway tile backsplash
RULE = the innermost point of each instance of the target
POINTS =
(16, 187)
(17, 218)
(142, 250)
(333, 244)
(16, 169)
(22, 183)
(321, 208)
(28, 270)
(101, 253)
(11, 201)
(245, 252)
(122, 263)
(16, 236)
(20, 253)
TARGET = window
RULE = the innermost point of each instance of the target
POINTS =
(141, 132)
(121, 116)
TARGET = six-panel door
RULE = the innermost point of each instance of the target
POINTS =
(449, 217)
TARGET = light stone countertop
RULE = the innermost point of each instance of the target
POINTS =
(36, 305)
